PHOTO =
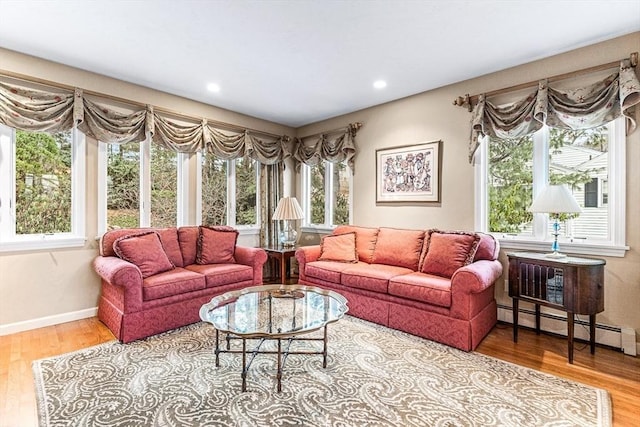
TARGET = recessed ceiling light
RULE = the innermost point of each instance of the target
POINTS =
(213, 87)
(379, 84)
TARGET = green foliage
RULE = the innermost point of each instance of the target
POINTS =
(246, 192)
(214, 190)
(43, 182)
(317, 194)
(164, 187)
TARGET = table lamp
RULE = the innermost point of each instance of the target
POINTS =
(555, 200)
(287, 210)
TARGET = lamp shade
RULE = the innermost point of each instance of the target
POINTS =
(288, 208)
(555, 199)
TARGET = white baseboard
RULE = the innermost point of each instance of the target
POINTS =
(612, 336)
(27, 325)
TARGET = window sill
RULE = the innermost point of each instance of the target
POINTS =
(322, 229)
(43, 243)
(593, 249)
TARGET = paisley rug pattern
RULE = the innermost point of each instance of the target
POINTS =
(375, 376)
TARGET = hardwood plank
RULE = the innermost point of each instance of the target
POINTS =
(608, 369)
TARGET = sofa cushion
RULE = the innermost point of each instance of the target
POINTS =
(340, 248)
(328, 271)
(188, 241)
(397, 247)
(365, 240)
(422, 287)
(145, 251)
(216, 245)
(372, 277)
(447, 251)
(173, 282)
(223, 274)
(169, 239)
(488, 248)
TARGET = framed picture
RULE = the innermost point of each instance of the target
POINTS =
(410, 173)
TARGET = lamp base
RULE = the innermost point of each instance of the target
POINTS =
(288, 235)
(556, 255)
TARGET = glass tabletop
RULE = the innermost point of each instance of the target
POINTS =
(274, 311)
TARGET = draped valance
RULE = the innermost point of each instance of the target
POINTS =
(55, 110)
(582, 108)
(335, 147)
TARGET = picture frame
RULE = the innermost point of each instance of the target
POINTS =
(409, 173)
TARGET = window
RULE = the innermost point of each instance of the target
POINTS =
(228, 192)
(591, 163)
(164, 187)
(138, 186)
(591, 193)
(123, 185)
(326, 194)
(42, 184)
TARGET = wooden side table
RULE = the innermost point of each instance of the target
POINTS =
(283, 256)
(574, 285)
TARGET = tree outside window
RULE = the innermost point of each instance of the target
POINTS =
(123, 185)
(43, 182)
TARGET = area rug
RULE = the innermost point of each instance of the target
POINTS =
(375, 376)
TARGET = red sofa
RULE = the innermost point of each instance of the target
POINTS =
(143, 295)
(434, 284)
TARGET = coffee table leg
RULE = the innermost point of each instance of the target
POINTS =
(279, 374)
(217, 348)
(244, 364)
(324, 348)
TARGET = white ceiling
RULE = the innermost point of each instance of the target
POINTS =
(298, 62)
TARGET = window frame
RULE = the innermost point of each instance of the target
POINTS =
(328, 225)
(244, 229)
(182, 196)
(541, 238)
(9, 241)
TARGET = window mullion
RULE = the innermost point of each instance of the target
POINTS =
(617, 183)
(231, 192)
(145, 182)
(78, 187)
(540, 178)
(328, 193)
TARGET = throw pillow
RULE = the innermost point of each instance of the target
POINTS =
(341, 248)
(145, 251)
(399, 247)
(448, 251)
(216, 245)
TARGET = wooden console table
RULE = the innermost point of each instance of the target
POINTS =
(574, 285)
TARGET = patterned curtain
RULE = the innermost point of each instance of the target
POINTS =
(582, 108)
(341, 147)
(57, 110)
(35, 110)
(271, 190)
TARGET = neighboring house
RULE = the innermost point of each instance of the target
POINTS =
(592, 196)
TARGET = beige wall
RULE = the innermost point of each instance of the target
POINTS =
(34, 285)
(431, 116)
(39, 284)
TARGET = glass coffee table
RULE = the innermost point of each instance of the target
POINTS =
(283, 313)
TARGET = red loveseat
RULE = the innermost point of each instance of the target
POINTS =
(434, 284)
(156, 279)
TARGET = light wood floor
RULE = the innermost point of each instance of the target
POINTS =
(608, 369)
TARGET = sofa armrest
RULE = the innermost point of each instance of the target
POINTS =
(476, 277)
(472, 288)
(254, 258)
(305, 254)
(117, 271)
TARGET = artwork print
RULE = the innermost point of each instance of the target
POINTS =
(408, 173)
